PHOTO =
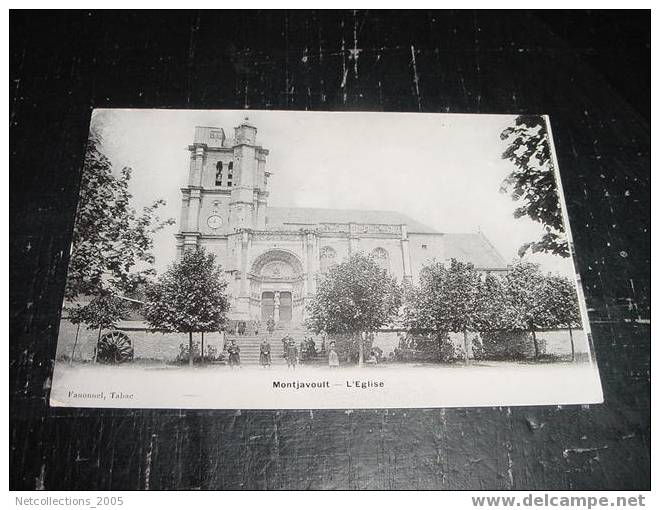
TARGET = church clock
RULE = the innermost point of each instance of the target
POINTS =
(214, 221)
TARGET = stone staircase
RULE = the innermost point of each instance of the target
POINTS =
(250, 348)
(250, 343)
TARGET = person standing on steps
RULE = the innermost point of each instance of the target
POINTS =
(234, 354)
(333, 358)
(270, 325)
(264, 354)
(291, 354)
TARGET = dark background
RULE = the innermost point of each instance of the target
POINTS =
(589, 70)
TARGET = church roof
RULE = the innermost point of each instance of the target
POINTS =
(297, 217)
(475, 248)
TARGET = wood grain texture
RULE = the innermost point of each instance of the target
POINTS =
(64, 64)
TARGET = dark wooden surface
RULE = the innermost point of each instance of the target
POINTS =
(589, 71)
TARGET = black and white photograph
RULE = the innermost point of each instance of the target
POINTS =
(321, 260)
(281, 251)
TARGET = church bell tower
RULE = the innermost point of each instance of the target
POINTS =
(227, 188)
(247, 206)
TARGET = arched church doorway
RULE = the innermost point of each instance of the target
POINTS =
(277, 304)
(277, 283)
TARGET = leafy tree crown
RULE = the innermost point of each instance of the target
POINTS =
(190, 296)
(446, 298)
(354, 296)
(110, 238)
(102, 312)
(532, 182)
(456, 298)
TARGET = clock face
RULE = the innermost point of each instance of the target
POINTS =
(214, 221)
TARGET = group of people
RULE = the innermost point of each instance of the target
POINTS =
(241, 327)
(290, 352)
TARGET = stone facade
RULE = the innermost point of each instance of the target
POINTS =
(271, 256)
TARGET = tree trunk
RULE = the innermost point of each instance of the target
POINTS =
(536, 344)
(465, 346)
(190, 349)
(75, 343)
(360, 350)
(96, 351)
(202, 347)
(570, 333)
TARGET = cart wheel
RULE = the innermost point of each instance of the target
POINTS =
(114, 347)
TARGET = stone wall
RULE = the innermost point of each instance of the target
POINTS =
(556, 343)
(146, 345)
(165, 346)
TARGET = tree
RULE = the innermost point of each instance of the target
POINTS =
(563, 305)
(425, 302)
(354, 298)
(426, 308)
(109, 236)
(189, 297)
(76, 319)
(461, 292)
(446, 300)
(527, 299)
(533, 183)
(491, 304)
(102, 312)
(498, 336)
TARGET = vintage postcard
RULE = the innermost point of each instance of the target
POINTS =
(300, 260)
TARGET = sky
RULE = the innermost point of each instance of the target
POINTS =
(444, 170)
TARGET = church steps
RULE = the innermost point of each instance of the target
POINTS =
(250, 345)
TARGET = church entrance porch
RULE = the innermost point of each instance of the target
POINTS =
(277, 287)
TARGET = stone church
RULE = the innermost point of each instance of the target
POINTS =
(272, 255)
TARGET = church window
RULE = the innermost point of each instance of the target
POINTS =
(218, 173)
(327, 258)
(230, 170)
(381, 258)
